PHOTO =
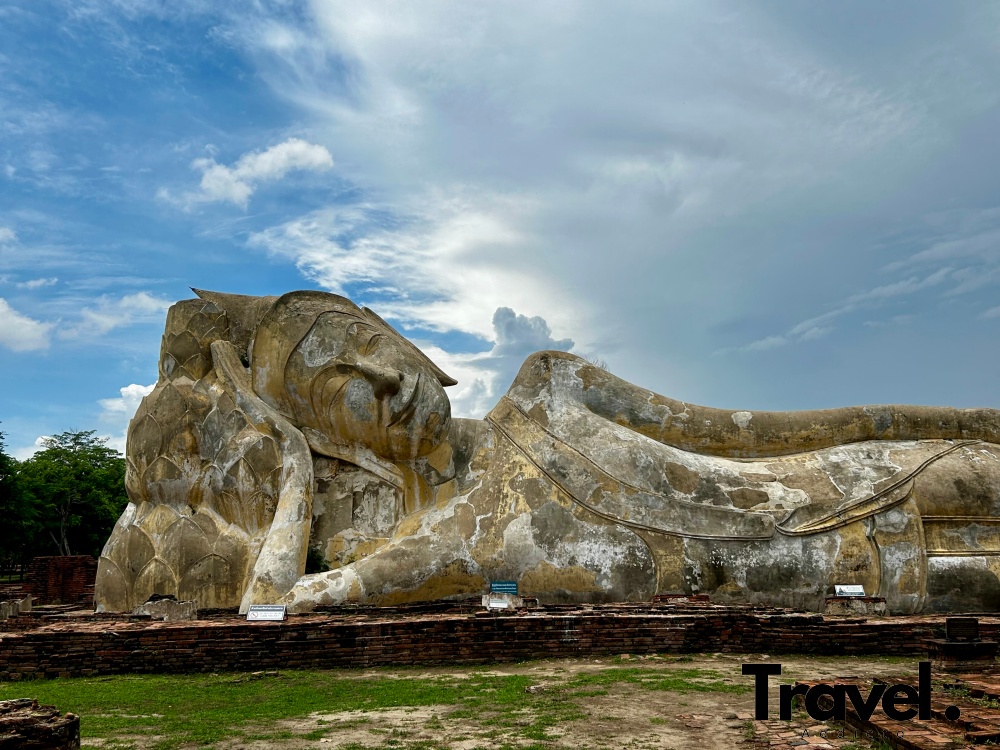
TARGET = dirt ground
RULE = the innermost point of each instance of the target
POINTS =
(627, 716)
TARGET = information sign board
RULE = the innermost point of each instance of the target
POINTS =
(266, 612)
(849, 590)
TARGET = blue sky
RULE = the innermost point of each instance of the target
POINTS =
(754, 205)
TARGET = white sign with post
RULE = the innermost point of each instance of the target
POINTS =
(849, 590)
(266, 612)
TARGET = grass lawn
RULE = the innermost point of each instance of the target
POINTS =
(166, 712)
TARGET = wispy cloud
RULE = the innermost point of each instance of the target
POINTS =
(110, 313)
(641, 176)
(443, 263)
(819, 326)
(967, 242)
(895, 320)
(979, 244)
(235, 184)
(609, 169)
(20, 333)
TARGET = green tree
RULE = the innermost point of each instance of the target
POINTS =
(76, 489)
(15, 531)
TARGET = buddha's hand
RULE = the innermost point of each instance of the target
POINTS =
(317, 589)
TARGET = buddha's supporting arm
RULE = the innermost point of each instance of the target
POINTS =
(549, 379)
(282, 556)
(220, 485)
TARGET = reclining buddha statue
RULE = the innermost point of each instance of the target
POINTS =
(304, 431)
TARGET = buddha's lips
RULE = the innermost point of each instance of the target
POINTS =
(408, 408)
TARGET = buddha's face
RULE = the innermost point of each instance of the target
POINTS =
(358, 382)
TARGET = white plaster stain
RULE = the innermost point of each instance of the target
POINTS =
(742, 419)
(856, 469)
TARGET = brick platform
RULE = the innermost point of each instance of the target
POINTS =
(70, 645)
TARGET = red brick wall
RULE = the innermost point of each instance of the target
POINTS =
(317, 641)
(62, 580)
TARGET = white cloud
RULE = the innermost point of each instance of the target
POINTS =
(519, 335)
(115, 413)
(36, 283)
(237, 183)
(26, 452)
(120, 410)
(111, 313)
(477, 380)
(7, 235)
(21, 333)
(516, 158)
(637, 175)
(443, 265)
(482, 377)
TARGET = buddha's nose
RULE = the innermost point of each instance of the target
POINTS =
(385, 381)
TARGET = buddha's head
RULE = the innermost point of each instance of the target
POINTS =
(342, 371)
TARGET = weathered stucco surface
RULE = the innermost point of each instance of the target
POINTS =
(284, 424)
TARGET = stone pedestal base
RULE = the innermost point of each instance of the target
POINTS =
(503, 601)
(168, 610)
(961, 656)
(681, 599)
(856, 605)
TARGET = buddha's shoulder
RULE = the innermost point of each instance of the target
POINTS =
(472, 443)
(540, 366)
